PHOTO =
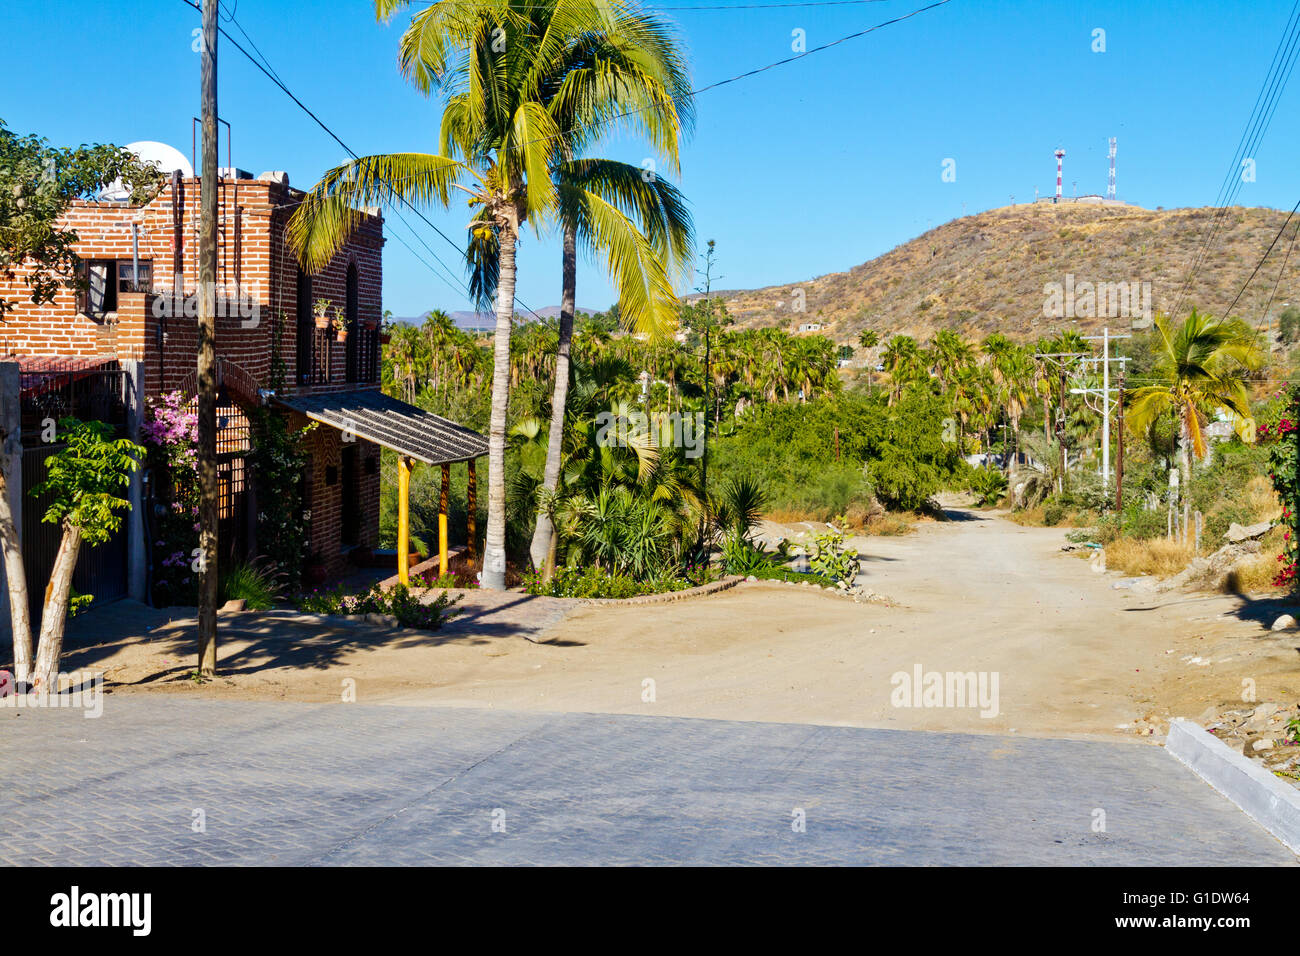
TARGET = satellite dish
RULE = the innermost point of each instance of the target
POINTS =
(163, 157)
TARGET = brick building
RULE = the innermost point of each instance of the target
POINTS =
(131, 334)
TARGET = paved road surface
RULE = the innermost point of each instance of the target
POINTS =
(304, 784)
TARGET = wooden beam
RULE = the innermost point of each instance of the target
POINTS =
(403, 519)
(472, 517)
(443, 502)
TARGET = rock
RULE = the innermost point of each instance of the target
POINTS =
(1212, 573)
(842, 586)
(238, 604)
(751, 579)
(1262, 744)
(1238, 533)
(1283, 623)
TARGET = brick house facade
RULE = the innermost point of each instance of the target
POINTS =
(135, 259)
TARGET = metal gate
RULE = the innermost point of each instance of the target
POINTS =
(101, 570)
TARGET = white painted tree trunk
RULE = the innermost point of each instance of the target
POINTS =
(542, 550)
(54, 615)
(16, 578)
(494, 545)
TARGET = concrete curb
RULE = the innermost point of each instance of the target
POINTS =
(1272, 804)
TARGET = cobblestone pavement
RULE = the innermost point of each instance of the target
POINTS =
(302, 784)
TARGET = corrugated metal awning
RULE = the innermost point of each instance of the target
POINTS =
(407, 430)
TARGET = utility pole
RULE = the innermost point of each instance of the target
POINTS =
(1106, 338)
(1119, 444)
(207, 358)
(1060, 360)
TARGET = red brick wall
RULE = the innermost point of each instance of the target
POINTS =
(254, 258)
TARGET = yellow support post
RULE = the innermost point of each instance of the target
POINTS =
(444, 501)
(403, 519)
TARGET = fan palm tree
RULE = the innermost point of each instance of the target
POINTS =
(1202, 366)
(868, 339)
(905, 363)
(496, 144)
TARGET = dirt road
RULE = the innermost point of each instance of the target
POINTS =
(1070, 654)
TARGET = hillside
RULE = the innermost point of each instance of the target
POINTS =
(987, 272)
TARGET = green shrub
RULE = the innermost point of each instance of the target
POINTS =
(832, 559)
(1053, 513)
(254, 582)
(398, 601)
(595, 582)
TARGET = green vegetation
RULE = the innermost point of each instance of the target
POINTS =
(398, 601)
(257, 583)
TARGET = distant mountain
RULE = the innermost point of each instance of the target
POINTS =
(486, 321)
(995, 271)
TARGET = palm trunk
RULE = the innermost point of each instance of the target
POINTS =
(16, 576)
(54, 616)
(543, 546)
(494, 546)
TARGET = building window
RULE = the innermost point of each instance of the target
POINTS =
(101, 289)
(105, 278)
(126, 276)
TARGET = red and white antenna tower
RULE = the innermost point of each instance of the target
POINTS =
(1110, 184)
(1060, 155)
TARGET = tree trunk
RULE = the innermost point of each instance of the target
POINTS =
(16, 576)
(494, 545)
(54, 615)
(544, 544)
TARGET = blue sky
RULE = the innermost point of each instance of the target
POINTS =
(808, 168)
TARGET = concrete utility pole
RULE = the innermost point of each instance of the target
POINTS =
(1119, 423)
(207, 358)
(1105, 338)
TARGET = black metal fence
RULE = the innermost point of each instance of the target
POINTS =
(51, 389)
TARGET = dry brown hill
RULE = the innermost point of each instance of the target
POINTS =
(988, 272)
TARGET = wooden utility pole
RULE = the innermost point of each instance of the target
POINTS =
(207, 365)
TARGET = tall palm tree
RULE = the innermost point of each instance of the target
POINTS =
(625, 68)
(1202, 366)
(905, 363)
(496, 146)
(868, 339)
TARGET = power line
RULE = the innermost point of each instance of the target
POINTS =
(1251, 137)
(1259, 265)
(612, 119)
(453, 284)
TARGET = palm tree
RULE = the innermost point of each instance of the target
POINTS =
(496, 147)
(868, 339)
(1202, 366)
(905, 363)
(595, 65)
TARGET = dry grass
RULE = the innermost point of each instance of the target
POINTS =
(1161, 557)
(889, 524)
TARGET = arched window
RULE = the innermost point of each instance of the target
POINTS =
(350, 316)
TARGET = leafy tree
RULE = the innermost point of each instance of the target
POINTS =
(38, 182)
(1201, 368)
(85, 479)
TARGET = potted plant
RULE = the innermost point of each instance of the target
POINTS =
(340, 326)
(321, 311)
